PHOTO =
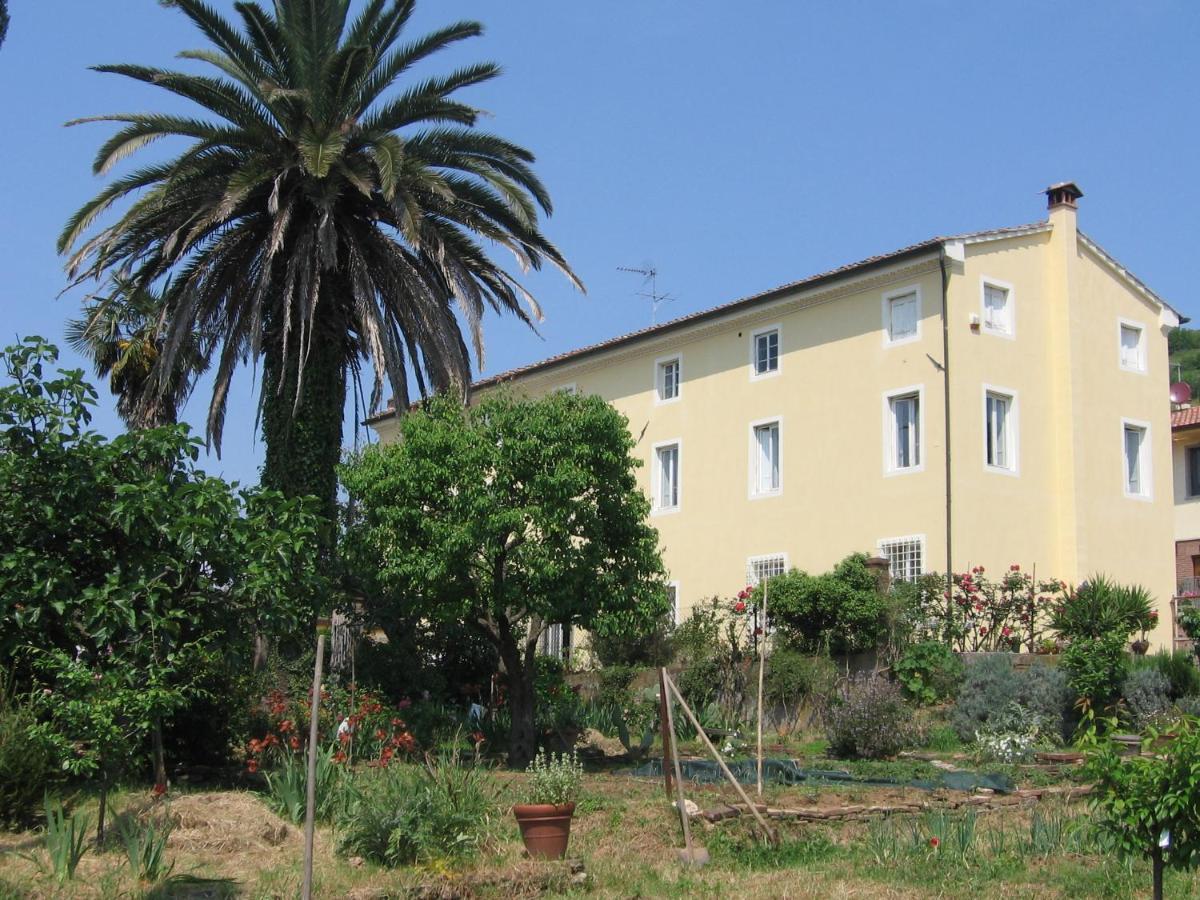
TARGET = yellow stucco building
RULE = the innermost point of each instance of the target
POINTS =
(982, 399)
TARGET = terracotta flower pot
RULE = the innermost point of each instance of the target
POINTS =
(545, 828)
(1140, 646)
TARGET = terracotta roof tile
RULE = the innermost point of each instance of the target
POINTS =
(1187, 417)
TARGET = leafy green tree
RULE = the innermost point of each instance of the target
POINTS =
(838, 612)
(507, 517)
(122, 566)
(3, 21)
(1183, 345)
(1148, 802)
(316, 220)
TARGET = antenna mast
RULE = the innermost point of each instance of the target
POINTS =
(649, 274)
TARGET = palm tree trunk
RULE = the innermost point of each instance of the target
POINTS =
(304, 439)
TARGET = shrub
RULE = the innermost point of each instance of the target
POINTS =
(1178, 668)
(1044, 692)
(988, 685)
(1099, 607)
(839, 612)
(559, 711)
(794, 680)
(406, 814)
(1146, 693)
(554, 780)
(1011, 734)
(27, 765)
(868, 718)
(714, 645)
(633, 714)
(929, 672)
(1096, 667)
(287, 786)
(645, 647)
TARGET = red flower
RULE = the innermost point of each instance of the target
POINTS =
(1014, 568)
(340, 756)
(159, 789)
(934, 842)
(758, 631)
(252, 766)
(380, 734)
(404, 704)
(740, 606)
(285, 726)
(294, 742)
(396, 721)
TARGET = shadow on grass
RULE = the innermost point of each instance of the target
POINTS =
(193, 887)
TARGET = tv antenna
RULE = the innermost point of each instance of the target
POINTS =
(649, 276)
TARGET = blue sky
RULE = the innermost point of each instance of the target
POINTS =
(733, 146)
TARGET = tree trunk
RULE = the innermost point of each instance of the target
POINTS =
(1158, 872)
(103, 804)
(160, 764)
(304, 440)
(522, 734)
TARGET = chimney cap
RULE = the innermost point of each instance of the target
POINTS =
(1063, 193)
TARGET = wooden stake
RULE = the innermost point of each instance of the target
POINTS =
(669, 729)
(762, 657)
(687, 710)
(313, 720)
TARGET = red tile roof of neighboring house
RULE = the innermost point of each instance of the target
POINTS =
(1189, 417)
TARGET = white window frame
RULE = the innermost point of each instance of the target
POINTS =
(571, 389)
(1140, 327)
(754, 492)
(918, 539)
(754, 336)
(675, 607)
(1012, 446)
(889, 430)
(753, 579)
(1010, 308)
(1145, 465)
(660, 365)
(656, 477)
(555, 641)
(886, 306)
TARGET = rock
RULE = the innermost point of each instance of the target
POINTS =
(689, 807)
(356, 862)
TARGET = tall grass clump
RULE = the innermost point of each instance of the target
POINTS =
(441, 809)
(66, 840)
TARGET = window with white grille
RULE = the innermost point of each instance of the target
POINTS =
(673, 597)
(761, 567)
(905, 556)
(667, 378)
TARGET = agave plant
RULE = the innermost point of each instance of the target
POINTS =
(1100, 606)
(316, 217)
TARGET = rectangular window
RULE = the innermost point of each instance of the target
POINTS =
(667, 472)
(673, 598)
(556, 641)
(766, 351)
(1193, 471)
(905, 556)
(905, 427)
(1137, 469)
(1133, 355)
(766, 474)
(1000, 446)
(668, 379)
(903, 317)
(759, 568)
(997, 311)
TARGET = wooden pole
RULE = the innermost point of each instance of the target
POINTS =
(668, 729)
(762, 657)
(310, 809)
(687, 711)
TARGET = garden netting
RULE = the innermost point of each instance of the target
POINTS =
(788, 771)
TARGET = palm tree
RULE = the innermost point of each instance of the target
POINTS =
(316, 222)
(121, 334)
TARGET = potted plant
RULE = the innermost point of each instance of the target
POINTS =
(545, 820)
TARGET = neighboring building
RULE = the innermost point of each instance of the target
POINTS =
(1185, 458)
(984, 399)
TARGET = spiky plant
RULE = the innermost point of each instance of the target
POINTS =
(317, 218)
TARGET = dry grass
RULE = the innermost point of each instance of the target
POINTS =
(625, 832)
